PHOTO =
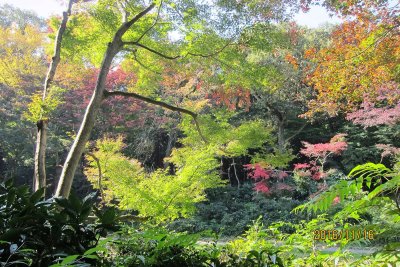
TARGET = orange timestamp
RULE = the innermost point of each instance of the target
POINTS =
(348, 234)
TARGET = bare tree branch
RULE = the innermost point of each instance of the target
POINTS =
(234, 168)
(297, 132)
(161, 104)
(211, 54)
(136, 43)
(151, 50)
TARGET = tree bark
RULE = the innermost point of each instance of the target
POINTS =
(39, 180)
(75, 153)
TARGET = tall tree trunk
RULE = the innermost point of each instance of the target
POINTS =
(40, 156)
(39, 180)
(75, 153)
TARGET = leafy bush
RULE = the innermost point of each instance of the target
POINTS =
(229, 211)
(36, 232)
(158, 247)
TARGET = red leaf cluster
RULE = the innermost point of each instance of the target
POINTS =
(370, 115)
(263, 176)
(335, 146)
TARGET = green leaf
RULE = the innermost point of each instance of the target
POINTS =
(9, 183)
(93, 250)
(69, 259)
(109, 216)
(37, 195)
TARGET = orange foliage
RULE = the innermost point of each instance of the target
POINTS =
(292, 60)
(232, 98)
(362, 59)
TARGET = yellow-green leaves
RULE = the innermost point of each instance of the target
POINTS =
(225, 138)
(119, 173)
(250, 134)
(158, 196)
(40, 109)
(21, 60)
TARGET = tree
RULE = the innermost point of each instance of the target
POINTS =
(22, 68)
(284, 94)
(163, 195)
(40, 152)
(319, 153)
(11, 17)
(361, 63)
(147, 37)
(21, 62)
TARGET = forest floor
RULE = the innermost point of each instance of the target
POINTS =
(353, 250)
(358, 250)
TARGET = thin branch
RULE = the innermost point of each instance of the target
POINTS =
(396, 198)
(135, 57)
(152, 26)
(161, 104)
(144, 66)
(229, 174)
(96, 159)
(132, 50)
(151, 50)
(212, 54)
(128, 24)
(124, 12)
(178, 56)
(296, 133)
(234, 168)
(55, 60)
(151, 101)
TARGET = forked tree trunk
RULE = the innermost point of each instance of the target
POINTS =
(39, 179)
(75, 153)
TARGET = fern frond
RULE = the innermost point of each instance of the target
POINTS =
(390, 185)
(346, 188)
(323, 201)
(368, 171)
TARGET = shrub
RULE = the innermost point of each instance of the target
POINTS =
(39, 232)
(158, 247)
(229, 211)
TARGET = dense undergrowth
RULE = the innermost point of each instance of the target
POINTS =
(73, 232)
(229, 211)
